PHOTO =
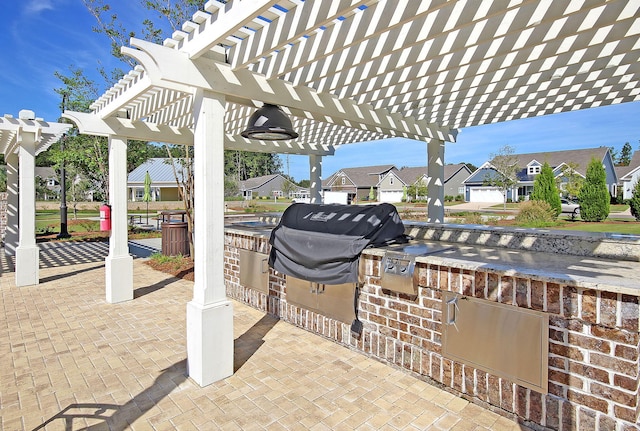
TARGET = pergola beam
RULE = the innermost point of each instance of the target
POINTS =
(166, 67)
(223, 23)
(91, 125)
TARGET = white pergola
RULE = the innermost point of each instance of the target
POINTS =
(346, 71)
(21, 139)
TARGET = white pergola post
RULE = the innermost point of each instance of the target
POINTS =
(435, 182)
(118, 264)
(209, 313)
(27, 252)
(315, 176)
(11, 237)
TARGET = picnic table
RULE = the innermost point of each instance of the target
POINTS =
(134, 217)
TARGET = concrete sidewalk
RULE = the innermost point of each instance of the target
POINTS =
(72, 361)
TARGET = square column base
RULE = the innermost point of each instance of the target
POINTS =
(209, 341)
(119, 278)
(27, 265)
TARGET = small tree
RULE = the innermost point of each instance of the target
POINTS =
(418, 190)
(625, 155)
(572, 180)
(544, 189)
(372, 195)
(634, 202)
(505, 175)
(594, 197)
(288, 187)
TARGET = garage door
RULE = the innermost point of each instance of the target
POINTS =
(390, 196)
(485, 194)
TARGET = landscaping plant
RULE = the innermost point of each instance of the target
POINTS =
(536, 213)
(594, 196)
(545, 189)
(634, 202)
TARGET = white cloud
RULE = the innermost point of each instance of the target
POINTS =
(37, 6)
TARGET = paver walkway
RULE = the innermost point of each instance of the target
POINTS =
(72, 361)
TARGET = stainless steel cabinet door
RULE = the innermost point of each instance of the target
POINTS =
(506, 341)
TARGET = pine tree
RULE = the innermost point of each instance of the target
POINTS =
(545, 189)
(634, 202)
(594, 197)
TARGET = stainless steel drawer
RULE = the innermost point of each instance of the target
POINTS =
(334, 301)
(503, 340)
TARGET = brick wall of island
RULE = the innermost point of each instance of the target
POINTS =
(594, 338)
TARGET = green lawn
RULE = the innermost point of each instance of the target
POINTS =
(48, 221)
(628, 227)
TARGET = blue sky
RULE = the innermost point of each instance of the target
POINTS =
(41, 37)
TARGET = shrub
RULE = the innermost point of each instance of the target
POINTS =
(634, 202)
(473, 218)
(46, 230)
(545, 189)
(90, 225)
(536, 214)
(617, 200)
(594, 196)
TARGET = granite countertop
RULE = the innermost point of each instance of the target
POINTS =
(580, 271)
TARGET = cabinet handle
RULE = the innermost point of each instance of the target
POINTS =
(452, 305)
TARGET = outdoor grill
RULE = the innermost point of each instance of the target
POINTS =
(318, 247)
(322, 243)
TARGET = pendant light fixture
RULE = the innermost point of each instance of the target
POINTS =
(269, 123)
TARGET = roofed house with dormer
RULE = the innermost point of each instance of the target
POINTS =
(478, 186)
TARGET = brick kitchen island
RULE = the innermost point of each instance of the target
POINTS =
(585, 288)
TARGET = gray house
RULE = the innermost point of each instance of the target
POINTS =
(50, 186)
(628, 176)
(389, 182)
(454, 176)
(357, 182)
(269, 185)
(478, 189)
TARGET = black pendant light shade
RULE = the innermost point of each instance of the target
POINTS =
(269, 123)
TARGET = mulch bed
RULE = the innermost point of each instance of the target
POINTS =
(182, 268)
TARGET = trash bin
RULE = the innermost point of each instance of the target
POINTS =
(175, 239)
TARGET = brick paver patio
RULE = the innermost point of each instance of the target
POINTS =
(72, 361)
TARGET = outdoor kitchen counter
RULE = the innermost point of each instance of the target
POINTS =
(580, 271)
(588, 305)
(607, 275)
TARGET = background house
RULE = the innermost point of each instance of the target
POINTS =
(270, 185)
(357, 182)
(477, 188)
(389, 183)
(454, 176)
(628, 176)
(163, 181)
(47, 184)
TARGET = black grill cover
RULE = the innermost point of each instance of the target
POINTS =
(322, 243)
